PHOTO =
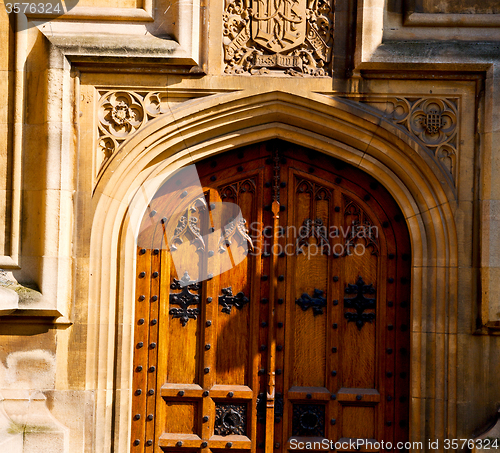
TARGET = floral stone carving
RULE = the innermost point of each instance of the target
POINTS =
(293, 37)
(122, 113)
(433, 120)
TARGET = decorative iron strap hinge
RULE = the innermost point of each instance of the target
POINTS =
(227, 300)
(185, 299)
(316, 302)
(360, 303)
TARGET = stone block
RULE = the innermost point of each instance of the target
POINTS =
(30, 417)
(9, 301)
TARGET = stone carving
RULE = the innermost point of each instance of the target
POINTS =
(433, 120)
(107, 146)
(122, 113)
(293, 37)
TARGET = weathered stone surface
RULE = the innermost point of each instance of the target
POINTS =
(458, 6)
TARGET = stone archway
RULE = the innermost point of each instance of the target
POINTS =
(336, 127)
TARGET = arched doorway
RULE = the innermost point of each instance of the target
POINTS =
(307, 339)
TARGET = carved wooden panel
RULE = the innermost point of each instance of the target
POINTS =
(230, 419)
(308, 420)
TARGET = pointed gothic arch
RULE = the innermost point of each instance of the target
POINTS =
(340, 128)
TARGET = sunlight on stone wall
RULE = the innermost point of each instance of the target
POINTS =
(26, 424)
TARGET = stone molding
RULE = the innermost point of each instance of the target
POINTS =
(468, 18)
(123, 113)
(454, 42)
(168, 35)
(145, 13)
(51, 298)
(489, 436)
(451, 20)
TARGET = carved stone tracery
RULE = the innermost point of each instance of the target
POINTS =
(293, 37)
(122, 113)
(433, 120)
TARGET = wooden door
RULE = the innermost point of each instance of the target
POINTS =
(307, 339)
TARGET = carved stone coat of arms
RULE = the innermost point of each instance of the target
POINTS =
(293, 37)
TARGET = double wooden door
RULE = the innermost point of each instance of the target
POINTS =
(305, 338)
